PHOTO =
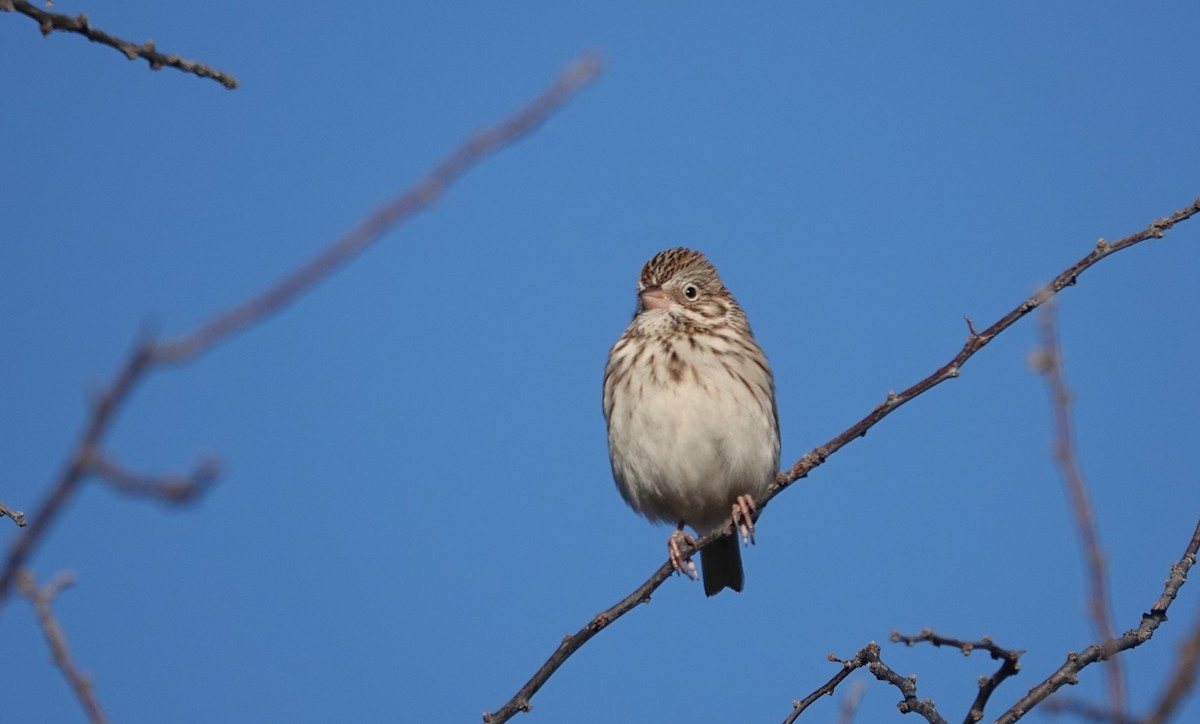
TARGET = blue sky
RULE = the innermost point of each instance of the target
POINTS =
(417, 503)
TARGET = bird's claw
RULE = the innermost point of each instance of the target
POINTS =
(743, 518)
(682, 564)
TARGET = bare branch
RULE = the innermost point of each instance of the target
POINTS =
(17, 516)
(1048, 362)
(1068, 673)
(50, 22)
(573, 642)
(817, 456)
(974, 343)
(907, 686)
(868, 656)
(1008, 658)
(147, 355)
(848, 666)
(41, 599)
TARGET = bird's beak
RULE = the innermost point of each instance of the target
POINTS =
(653, 298)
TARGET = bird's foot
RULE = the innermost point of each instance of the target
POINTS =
(743, 518)
(682, 564)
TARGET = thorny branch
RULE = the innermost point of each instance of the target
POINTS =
(149, 355)
(49, 22)
(814, 458)
(1048, 362)
(40, 599)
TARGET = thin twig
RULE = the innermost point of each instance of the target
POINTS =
(974, 343)
(817, 456)
(148, 355)
(40, 599)
(49, 22)
(868, 657)
(1048, 362)
(1068, 673)
(17, 516)
(859, 660)
(1008, 658)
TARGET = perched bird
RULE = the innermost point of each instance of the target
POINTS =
(693, 434)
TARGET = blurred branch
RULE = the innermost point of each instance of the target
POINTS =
(1048, 362)
(170, 488)
(17, 516)
(1008, 658)
(975, 342)
(1183, 679)
(1068, 673)
(148, 355)
(40, 599)
(49, 22)
(850, 702)
(1086, 710)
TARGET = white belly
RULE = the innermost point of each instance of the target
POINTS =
(683, 450)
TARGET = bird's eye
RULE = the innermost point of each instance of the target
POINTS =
(691, 292)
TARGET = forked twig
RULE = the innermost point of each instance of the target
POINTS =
(848, 667)
(40, 599)
(868, 657)
(1008, 658)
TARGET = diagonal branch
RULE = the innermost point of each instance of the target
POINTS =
(40, 599)
(1048, 362)
(975, 342)
(50, 22)
(817, 456)
(1068, 673)
(148, 355)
